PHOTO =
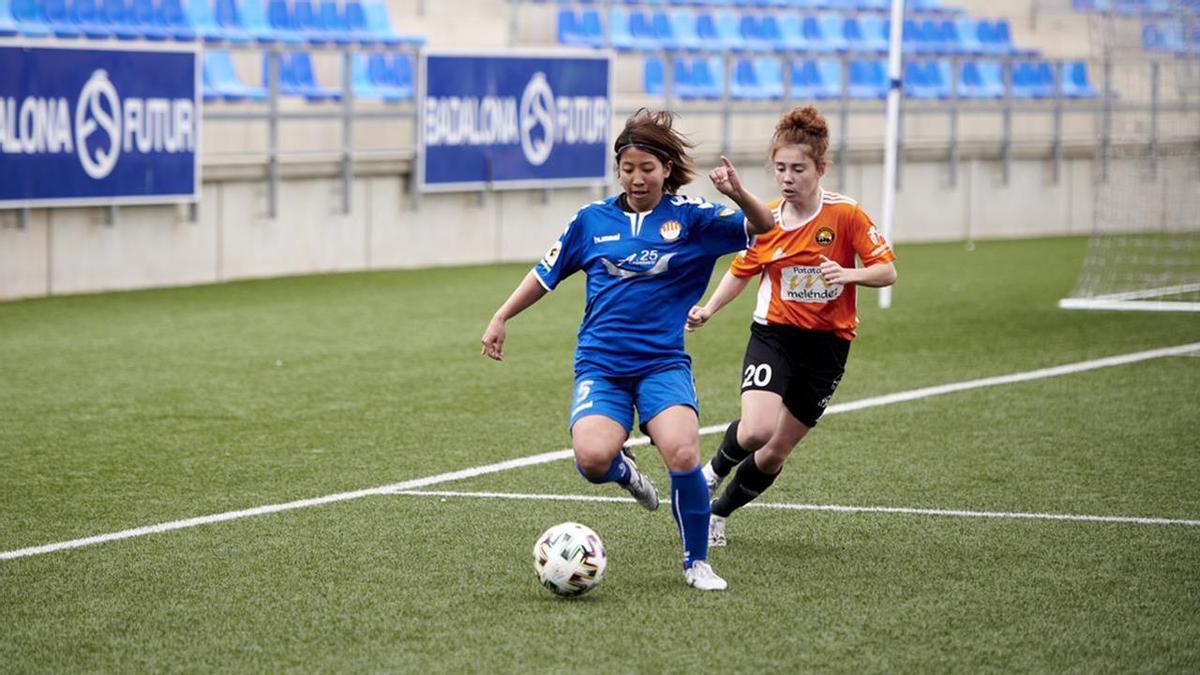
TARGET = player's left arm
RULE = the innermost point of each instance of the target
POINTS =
(876, 276)
(879, 268)
(725, 178)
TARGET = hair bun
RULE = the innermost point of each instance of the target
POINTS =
(802, 126)
(807, 121)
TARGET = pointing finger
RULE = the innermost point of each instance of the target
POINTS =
(726, 162)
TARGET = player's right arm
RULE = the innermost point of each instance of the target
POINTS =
(561, 261)
(529, 291)
(730, 287)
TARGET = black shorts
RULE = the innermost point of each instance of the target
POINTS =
(803, 366)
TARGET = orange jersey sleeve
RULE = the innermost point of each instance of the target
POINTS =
(869, 243)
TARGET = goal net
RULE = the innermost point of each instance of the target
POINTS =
(1144, 247)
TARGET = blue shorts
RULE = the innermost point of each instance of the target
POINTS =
(617, 397)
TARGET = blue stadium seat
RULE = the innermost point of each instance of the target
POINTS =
(706, 28)
(330, 19)
(619, 35)
(682, 73)
(201, 20)
(968, 36)
(570, 30)
(753, 36)
(833, 32)
(992, 73)
(868, 79)
(653, 76)
(769, 73)
(817, 79)
(296, 77)
(174, 20)
(363, 83)
(304, 82)
(275, 23)
(30, 18)
(58, 19)
(1032, 80)
(306, 21)
(85, 14)
(772, 32)
(402, 70)
(812, 35)
(683, 25)
(228, 16)
(927, 79)
(389, 76)
(221, 80)
(996, 37)
(380, 24)
(708, 77)
(7, 25)
(972, 83)
(759, 78)
(147, 19)
(356, 23)
(641, 30)
(663, 30)
(118, 16)
(936, 37)
(1075, 82)
(1164, 37)
(865, 34)
(792, 31)
(729, 30)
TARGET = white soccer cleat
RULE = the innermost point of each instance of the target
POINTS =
(711, 479)
(716, 532)
(701, 576)
(639, 486)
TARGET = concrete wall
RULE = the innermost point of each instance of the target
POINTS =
(64, 251)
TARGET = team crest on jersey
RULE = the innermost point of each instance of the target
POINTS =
(825, 236)
(670, 230)
(551, 256)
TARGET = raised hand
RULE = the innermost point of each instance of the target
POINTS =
(725, 178)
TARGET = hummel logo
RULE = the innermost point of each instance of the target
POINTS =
(607, 237)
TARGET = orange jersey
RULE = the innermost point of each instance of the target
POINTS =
(792, 291)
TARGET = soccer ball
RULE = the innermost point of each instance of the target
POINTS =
(569, 559)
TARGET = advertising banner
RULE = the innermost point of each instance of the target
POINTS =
(94, 126)
(514, 120)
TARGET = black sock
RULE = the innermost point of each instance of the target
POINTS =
(748, 483)
(730, 454)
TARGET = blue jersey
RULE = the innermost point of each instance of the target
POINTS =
(644, 272)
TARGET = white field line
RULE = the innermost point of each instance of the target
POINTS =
(957, 513)
(564, 454)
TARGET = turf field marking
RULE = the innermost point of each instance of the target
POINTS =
(545, 457)
(1130, 520)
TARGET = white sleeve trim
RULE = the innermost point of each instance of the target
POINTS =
(541, 281)
(750, 238)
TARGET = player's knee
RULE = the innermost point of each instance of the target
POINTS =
(753, 436)
(681, 457)
(591, 463)
(770, 459)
